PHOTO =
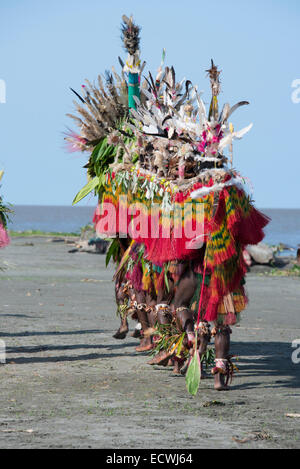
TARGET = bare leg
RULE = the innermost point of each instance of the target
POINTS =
(163, 316)
(123, 329)
(181, 301)
(146, 342)
(177, 366)
(121, 292)
(185, 321)
(222, 346)
(204, 336)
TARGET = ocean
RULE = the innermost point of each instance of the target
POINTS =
(62, 219)
(283, 228)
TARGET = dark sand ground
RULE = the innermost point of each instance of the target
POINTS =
(67, 383)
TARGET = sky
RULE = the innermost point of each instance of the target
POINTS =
(47, 47)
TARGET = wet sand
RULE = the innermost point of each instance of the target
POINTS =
(68, 384)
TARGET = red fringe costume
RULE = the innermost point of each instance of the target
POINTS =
(235, 224)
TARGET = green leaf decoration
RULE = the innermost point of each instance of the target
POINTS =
(92, 184)
(179, 347)
(166, 279)
(193, 374)
(112, 251)
(135, 158)
(141, 252)
(101, 158)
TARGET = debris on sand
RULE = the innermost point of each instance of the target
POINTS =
(213, 403)
(254, 437)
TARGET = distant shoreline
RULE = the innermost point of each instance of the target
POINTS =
(284, 264)
(68, 220)
(92, 206)
(40, 233)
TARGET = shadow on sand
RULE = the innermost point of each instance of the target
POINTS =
(266, 360)
(270, 362)
(39, 333)
(66, 358)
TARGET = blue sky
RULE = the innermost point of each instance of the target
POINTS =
(46, 47)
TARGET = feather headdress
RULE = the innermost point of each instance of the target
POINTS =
(161, 125)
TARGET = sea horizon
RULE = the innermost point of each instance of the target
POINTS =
(94, 205)
(284, 226)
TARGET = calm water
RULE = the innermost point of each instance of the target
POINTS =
(50, 218)
(284, 227)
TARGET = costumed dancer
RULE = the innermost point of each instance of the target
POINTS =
(179, 212)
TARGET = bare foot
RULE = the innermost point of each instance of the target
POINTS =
(121, 333)
(143, 348)
(177, 366)
(161, 358)
(220, 382)
(145, 345)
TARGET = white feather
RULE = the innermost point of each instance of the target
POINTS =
(243, 131)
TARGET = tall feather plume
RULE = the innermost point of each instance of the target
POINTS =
(214, 75)
(101, 108)
(130, 35)
(215, 84)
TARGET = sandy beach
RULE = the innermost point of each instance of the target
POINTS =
(67, 383)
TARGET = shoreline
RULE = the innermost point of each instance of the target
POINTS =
(282, 265)
(40, 233)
